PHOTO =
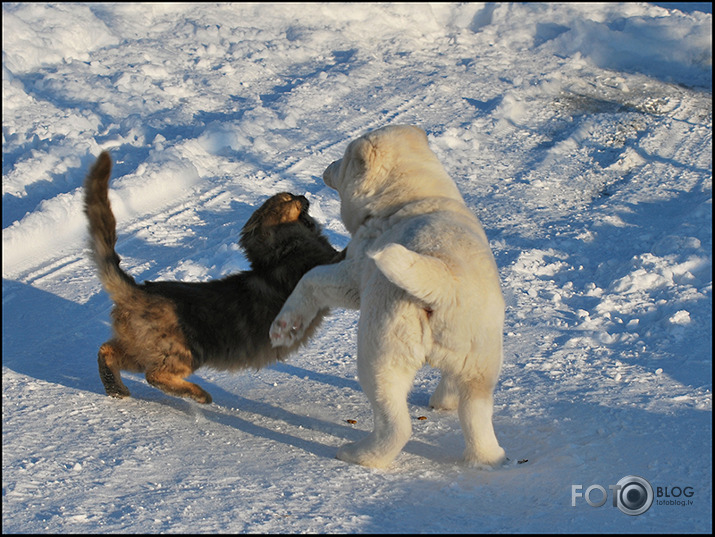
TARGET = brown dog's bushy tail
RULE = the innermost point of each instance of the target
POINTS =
(103, 231)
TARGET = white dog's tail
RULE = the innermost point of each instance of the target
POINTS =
(425, 277)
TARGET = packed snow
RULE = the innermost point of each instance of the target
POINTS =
(580, 134)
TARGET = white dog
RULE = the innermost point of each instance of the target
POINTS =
(420, 270)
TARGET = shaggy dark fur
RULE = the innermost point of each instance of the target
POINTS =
(168, 329)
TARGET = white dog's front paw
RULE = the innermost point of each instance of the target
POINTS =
(355, 454)
(286, 329)
(486, 459)
(365, 454)
(444, 401)
(446, 396)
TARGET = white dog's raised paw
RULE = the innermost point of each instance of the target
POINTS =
(286, 329)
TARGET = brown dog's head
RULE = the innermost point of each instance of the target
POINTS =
(282, 223)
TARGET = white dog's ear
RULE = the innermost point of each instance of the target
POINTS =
(420, 130)
(361, 155)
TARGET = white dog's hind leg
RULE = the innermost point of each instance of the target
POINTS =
(387, 392)
(386, 375)
(475, 415)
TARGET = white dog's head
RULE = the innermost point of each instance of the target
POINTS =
(384, 170)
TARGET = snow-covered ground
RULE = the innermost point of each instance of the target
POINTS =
(580, 134)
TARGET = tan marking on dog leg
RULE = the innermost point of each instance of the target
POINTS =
(175, 385)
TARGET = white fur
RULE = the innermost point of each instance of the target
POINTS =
(420, 270)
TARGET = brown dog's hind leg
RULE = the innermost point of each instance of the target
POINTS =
(109, 359)
(173, 383)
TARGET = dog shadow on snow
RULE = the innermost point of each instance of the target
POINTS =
(248, 415)
(55, 340)
(237, 404)
(50, 338)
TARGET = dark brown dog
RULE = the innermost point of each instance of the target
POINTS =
(168, 329)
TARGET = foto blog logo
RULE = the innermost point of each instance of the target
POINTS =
(633, 495)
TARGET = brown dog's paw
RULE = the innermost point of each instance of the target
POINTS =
(112, 385)
(203, 398)
(117, 392)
